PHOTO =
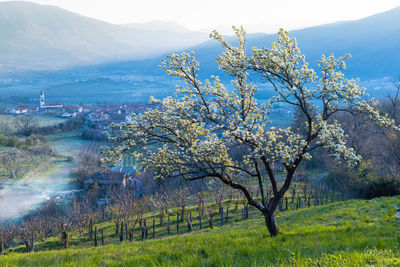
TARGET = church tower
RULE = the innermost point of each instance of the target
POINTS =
(42, 99)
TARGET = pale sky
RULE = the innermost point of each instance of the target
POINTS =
(205, 14)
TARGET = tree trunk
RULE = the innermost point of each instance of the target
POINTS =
(210, 223)
(1, 244)
(27, 246)
(271, 224)
(182, 213)
(121, 237)
(64, 237)
(161, 216)
(116, 226)
(95, 236)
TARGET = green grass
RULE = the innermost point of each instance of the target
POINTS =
(351, 233)
(71, 143)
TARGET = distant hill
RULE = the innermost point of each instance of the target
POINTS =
(373, 42)
(48, 38)
(129, 71)
(159, 25)
(45, 37)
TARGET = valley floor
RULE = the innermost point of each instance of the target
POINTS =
(350, 233)
(41, 181)
(36, 188)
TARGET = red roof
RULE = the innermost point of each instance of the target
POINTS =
(52, 104)
(106, 177)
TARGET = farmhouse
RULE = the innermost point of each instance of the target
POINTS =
(115, 179)
(106, 179)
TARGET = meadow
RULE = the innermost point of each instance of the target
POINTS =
(68, 144)
(43, 120)
(349, 233)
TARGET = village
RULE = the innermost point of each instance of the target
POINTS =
(98, 117)
(104, 179)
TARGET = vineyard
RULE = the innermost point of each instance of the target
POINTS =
(92, 147)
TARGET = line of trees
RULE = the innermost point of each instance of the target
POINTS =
(51, 219)
(132, 215)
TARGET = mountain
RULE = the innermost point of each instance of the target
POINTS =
(373, 42)
(45, 37)
(226, 29)
(159, 25)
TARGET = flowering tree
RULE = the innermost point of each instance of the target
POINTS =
(194, 132)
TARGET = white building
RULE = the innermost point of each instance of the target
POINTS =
(49, 108)
(19, 110)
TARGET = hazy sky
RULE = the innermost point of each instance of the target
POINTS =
(201, 14)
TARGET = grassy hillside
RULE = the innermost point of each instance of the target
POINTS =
(351, 233)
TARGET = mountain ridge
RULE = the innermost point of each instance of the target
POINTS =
(47, 37)
(373, 41)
